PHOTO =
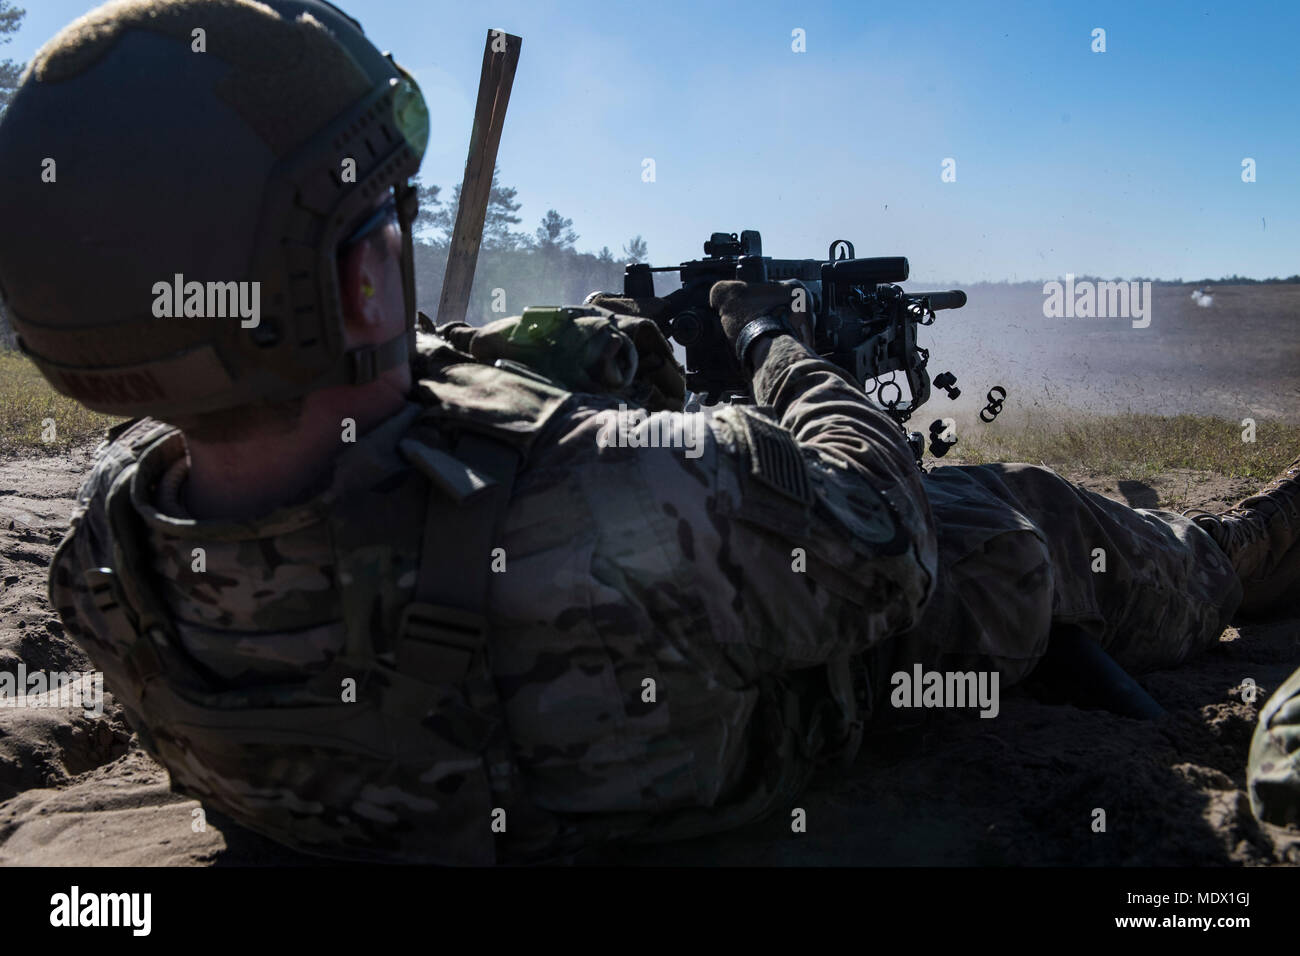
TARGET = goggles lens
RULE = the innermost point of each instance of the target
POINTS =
(410, 112)
(380, 217)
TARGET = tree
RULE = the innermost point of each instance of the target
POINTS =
(605, 255)
(427, 217)
(635, 250)
(501, 210)
(555, 232)
(10, 19)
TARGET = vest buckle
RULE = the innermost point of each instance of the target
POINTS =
(438, 642)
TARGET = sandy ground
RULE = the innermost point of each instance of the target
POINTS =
(1021, 789)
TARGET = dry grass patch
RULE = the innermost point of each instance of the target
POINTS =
(27, 401)
(1133, 446)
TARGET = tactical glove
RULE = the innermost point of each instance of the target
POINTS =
(648, 308)
(660, 379)
(751, 310)
(583, 349)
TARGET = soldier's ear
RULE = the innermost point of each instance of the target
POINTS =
(362, 278)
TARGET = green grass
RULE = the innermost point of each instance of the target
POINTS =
(1133, 446)
(26, 400)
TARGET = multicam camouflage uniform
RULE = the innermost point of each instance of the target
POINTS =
(1273, 772)
(713, 576)
(1024, 552)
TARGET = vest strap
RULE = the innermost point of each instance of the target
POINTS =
(445, 627)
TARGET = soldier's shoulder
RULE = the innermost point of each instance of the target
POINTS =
(507, 400)
(432, 352)
(122, 446)
(551, 426)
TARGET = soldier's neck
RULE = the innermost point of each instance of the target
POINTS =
(254, 475)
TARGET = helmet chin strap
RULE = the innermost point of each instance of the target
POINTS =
(365, 364)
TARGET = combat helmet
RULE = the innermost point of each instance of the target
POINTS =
(166, 156)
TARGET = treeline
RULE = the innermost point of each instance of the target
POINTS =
(11, 19)
(1233, 280)
(516, 268)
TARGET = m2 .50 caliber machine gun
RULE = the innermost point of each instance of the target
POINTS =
(862, 322)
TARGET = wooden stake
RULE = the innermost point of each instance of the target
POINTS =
(500, 57)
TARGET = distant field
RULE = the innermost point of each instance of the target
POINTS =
(26, 400)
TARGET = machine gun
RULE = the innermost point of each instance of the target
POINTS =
(862, 321)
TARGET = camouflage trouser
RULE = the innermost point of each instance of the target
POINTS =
(1022, 552)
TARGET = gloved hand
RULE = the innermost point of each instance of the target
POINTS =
(584, 349)
(660, 379)
(740, 303)
(649, 308)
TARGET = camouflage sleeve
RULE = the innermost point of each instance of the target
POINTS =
(828, 413)
(783, 544)
(870, 522)
(89, 544)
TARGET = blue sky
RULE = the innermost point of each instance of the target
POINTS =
(1121, 163)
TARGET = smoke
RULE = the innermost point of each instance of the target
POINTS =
(1239, 359)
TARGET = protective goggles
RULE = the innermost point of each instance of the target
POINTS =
(379, 218)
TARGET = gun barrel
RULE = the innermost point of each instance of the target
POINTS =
(874, 271)
(954, 299)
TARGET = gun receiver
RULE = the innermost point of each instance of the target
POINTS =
(863, 322)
